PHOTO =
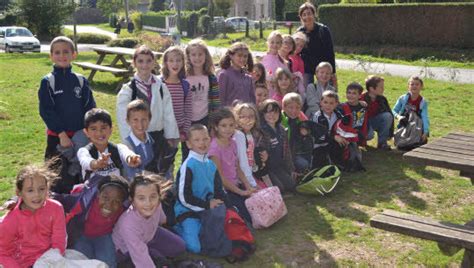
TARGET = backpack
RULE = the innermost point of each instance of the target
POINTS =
(243, 242)
(213, 238)
(320, 181)
(114, 155)
(408, 136)
(133, 86)
(52, 80)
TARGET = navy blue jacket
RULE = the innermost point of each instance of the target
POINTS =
(63, 108)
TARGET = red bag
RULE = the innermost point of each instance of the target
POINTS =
(236, 229)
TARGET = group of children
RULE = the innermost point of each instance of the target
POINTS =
(248, 127)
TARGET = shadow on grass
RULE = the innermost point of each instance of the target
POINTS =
(380, 186)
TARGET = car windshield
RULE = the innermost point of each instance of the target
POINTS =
(18, 32)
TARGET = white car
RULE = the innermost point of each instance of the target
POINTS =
(238, 23)
(18, 39)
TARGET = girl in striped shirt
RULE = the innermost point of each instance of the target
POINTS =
(173, 74)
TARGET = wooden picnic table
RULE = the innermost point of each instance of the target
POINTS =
(119, 66)
(453, 151)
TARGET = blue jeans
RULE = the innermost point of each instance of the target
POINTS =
(101, 248)
(382, 124)
(302, 162)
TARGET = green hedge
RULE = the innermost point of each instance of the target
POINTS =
(426, 25)
(90, 38)
(154, 19)
(131, 42)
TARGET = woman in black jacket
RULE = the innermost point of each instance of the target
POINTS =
(319, 47)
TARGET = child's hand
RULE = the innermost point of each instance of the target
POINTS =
(363, 103)
(134, 161)
(102, 162)
(64, 140)
(215, 203)
(341, 141)
(8, 205)
(245, 193)
(264, 156)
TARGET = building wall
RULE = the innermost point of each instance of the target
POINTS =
(252, 9)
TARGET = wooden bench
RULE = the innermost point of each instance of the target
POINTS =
(124, 73)
(450, 234)
(454, 151)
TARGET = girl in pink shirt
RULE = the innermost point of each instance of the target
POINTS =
(138, 234)
(35, 225)
(223, 151)
(272, 60)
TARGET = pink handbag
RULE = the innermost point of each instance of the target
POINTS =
(266, 207)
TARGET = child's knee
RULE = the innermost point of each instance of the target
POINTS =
(191, 228)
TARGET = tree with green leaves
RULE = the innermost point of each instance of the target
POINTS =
(223, 7)
(157, 5)
(114, 6)
(44, 17)
(279, 10)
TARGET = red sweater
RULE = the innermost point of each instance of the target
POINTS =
(26, 235)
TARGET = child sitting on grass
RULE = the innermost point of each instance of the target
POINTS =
(379, 113)
(138, 233)
(326, 149)
(35, 225)
(280, 164)
(413, 102)
(292, 116)
(223, 152)
(199, 187)
(102, 157)
(283, 84)
(92, 210)
(351, 129)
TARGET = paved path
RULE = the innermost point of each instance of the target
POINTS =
(437, 73)
(91, 29)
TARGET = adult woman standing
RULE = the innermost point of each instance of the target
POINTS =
(319, 47)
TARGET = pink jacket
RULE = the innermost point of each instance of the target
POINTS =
(271, 63)
(26, 235)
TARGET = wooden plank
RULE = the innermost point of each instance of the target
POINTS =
(121, 51)
(102, 68)
(468, 140)
(444, 148)
(453, 145)
(421, 227)
(438, 161)
(455, 156)
(454, 141)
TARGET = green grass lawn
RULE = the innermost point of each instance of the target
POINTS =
(318, 231)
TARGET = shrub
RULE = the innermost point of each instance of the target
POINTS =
(205, 24)
(155, 42)
(154, 19)
(130, 42)
(136, 18)
(90, 38)
(424, 25)
(8, 20)
(292, 16)
(113, 20)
